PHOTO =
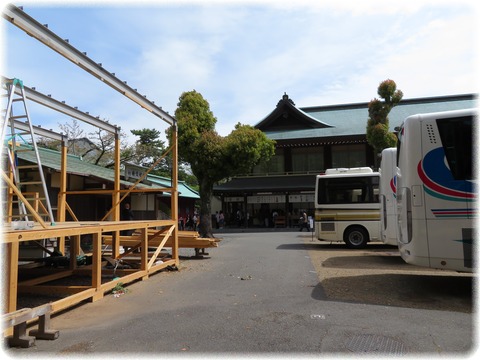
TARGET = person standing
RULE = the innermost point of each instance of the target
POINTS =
(126, 215)
(221, 219)
(304, 222)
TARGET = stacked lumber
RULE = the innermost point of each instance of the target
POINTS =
(186, 239)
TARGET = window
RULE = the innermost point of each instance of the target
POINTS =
(348, 156)
(456, 135)
(307, 159)
(348, 190)
(276, 165)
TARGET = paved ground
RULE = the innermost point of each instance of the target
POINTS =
(276, 293)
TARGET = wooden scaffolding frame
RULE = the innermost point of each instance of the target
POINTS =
(167, 230)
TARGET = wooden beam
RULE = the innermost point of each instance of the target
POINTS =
(141, 190)
(52, 289)
(17, 192)
(70, 211)
(47, 278)
(72, 300)
(76, 228)
(160, 246)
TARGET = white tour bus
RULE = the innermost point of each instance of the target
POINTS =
(436, 190)
(388, 196)
(347, 206)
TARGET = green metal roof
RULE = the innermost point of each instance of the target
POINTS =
(351, 119)
(183, 189)
(76, 166)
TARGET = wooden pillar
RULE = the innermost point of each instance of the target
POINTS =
(62, 194)
(97, 266)
(74, 250)
(116, 199)
(144, 251)
(11, 264)
(174, 195)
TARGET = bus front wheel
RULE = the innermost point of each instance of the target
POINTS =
(355, 237)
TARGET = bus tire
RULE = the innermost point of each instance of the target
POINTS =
(356, 237)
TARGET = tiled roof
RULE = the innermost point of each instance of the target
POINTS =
(351, 119)
(76, 166)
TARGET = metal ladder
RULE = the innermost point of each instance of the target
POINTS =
(15, 93)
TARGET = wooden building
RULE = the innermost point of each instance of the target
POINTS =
(308, 141)
(83, 176)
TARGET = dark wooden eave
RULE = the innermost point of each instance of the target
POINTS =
(286, 116)
(255, 184)
(322, 141)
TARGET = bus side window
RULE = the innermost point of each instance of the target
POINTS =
(456, 138)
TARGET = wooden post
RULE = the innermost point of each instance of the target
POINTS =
(116, 199)
(12, 278)
(174, 194)
(62, 195)
(144, 252)
(74, 250)
(97, 266)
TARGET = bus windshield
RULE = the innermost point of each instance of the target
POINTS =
(348, 190)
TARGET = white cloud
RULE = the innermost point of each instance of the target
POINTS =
(244, 55)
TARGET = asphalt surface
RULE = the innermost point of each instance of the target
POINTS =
(256, 294)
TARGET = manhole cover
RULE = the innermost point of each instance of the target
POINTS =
(375, 344)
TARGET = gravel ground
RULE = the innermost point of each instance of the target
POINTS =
(378, 275)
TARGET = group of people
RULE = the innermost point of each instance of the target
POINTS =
(192, 221)
(219, 219)
(240, 219)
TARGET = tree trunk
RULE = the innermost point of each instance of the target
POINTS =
(205, 190)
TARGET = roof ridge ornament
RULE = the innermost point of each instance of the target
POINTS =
(285, 98)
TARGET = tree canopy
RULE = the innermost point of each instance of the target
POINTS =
(212, 157)
(378, 134)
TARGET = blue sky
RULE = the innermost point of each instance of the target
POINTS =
(242, 56)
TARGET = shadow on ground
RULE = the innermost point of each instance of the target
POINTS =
(434, 292)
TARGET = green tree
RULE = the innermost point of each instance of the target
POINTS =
(148, 148)
(146, 151)
(378, 134)
(212, 157)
